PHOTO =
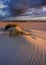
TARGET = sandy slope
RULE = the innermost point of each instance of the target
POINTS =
(24, 50)
(39, 43)
(38, 38)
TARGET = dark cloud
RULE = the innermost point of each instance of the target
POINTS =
(43, 2)
(18, 7)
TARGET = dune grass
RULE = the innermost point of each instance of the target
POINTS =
(16, 30)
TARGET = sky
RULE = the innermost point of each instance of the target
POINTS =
(14, 8)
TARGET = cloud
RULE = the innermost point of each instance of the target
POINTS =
(3, 13)
(44, 8)
(3, 6)
(4, 10)
(13, 8)
(35, 11)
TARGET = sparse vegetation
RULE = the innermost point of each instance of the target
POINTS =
(9, 26)
(16, 30)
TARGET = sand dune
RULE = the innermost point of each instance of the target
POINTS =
(24, 50)
(39, 45)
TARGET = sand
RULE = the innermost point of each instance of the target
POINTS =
(24, 50)
(28, 25)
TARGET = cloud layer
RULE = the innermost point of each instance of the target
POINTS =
(13, 8)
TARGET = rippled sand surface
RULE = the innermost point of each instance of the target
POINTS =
(24, 50)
